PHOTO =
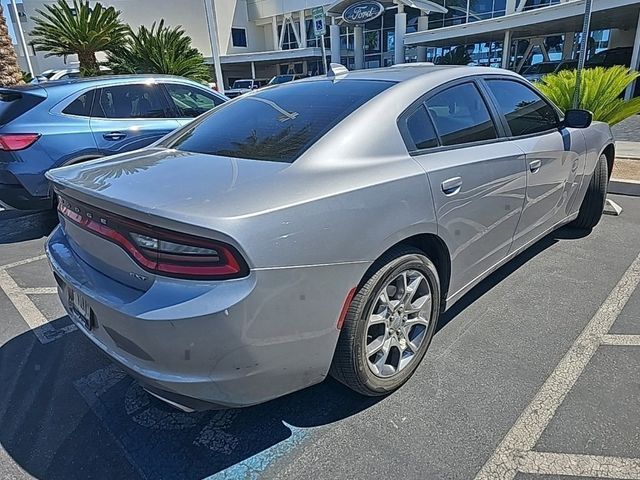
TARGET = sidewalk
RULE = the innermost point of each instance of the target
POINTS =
(625, 178)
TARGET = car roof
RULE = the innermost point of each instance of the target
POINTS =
(408, 71)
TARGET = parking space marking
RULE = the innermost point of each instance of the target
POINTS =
(27, 309)
(40, 290)
(22, 262)
(525, 433)
(621, 340)
(30, 313)
(561, 464)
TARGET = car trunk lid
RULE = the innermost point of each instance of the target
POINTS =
(187, 193)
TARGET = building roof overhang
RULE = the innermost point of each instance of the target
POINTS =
(554, 19)
(272, 56)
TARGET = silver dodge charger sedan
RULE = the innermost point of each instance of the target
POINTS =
(317, 227)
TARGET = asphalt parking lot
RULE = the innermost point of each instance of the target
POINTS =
(532, 375)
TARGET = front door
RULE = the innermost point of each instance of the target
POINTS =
(553, 167)
(477, 181)
(128, 117)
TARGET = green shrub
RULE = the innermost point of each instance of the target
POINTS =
(160, 50)
(600, 93)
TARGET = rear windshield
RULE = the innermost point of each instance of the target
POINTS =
(242, 84)
(281, 79)
(14, 103)
(277, 124)
(542, 68)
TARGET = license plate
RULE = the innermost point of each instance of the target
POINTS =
(81, 308)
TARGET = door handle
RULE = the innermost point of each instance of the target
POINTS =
(114, 136)
(535, 165)
(452, 185)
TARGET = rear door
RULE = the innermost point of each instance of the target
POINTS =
(553, 169)
(188, 101)
(477, 178)
(130, 116)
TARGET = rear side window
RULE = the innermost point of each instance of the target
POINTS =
(276, 124)
(82, 105)
(130, 101)
(526, 111)
(461, 116)
(191, 102)
(421, 129)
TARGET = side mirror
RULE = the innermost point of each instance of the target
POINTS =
(578, 118)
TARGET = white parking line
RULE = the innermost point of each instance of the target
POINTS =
(30, 313)
(22, 262)
(621, 340)
(525, 433)
(27, 309)
(40, 290)
(561, 464)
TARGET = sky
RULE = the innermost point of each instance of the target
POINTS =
(5, 4)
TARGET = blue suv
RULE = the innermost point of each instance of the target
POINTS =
(63, 122)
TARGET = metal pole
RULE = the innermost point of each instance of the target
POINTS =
(23, 42)
(212, 26)
(583, 52)
(324, 56)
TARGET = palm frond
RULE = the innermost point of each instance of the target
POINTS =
(64, 29)
(600, 92)
(159, 49)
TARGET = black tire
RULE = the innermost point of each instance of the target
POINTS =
(350, 362)
(595, 198)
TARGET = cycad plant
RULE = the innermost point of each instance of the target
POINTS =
(159, 49)
(600, 92)
(456, 56)
(63, 29)
(10, 73)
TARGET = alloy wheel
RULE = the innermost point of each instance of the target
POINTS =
(398, 323)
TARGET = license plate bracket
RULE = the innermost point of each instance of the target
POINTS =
(80, 307)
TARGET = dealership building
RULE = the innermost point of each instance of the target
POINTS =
(263, 38)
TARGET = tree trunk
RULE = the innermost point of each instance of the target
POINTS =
(10, 73)
(88, 64)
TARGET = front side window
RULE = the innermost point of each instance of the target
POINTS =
(526, 111)
(461, 115)
(81, 106)
(191, 102)
(276, 124)
(421, 129)
(129, 101)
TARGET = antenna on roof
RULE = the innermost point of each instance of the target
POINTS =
(336, 69)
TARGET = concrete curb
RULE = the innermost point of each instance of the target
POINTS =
(624, 187)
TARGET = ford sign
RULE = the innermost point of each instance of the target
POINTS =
(362, 12)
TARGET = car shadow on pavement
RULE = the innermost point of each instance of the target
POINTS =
(67, 412)
(564, 233)
(19, 226)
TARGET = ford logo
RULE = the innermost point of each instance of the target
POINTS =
(362, 12)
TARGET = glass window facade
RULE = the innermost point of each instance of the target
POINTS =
(464, 11)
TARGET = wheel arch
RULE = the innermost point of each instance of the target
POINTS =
(436, 249)
(610, 152)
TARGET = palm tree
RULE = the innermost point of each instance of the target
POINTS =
(10, 73)
(160, 49)
(63, 29)
(600, 92)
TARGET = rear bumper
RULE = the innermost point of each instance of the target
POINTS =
(223, 344)
(16, 196)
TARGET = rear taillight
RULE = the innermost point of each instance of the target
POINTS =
(17, 141)
(158, 250)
